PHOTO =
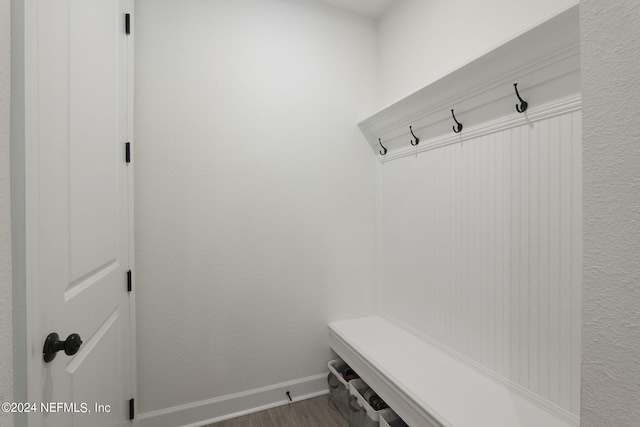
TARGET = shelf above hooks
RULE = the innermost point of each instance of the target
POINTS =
(544, 59)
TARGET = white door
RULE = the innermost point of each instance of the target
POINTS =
(78, 210)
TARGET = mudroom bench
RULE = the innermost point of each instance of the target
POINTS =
(427, 386)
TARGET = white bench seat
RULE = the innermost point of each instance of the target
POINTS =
(427, 386)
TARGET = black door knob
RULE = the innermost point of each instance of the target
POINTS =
(53, 345)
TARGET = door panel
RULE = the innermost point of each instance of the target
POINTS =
(94, 82)
(89, 383)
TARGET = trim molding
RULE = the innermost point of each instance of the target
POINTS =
(222, 408)
(532, 116)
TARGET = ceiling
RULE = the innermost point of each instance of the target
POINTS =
(371, 8)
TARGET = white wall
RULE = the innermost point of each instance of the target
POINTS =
(6, 349)
(255, 193)
(421, 41)
(611, 326)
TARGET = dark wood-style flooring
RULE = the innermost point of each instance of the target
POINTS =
(316, 412)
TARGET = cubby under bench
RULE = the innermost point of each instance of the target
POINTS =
(427, 386)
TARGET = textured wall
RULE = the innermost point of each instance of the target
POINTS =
(611, 314)
(421, 41)
(6, 336)
(255, 192)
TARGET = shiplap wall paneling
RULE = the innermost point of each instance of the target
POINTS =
(400, 251)
(481, 251)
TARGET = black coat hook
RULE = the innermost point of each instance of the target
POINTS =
(417, 139)
(459, 127)
(385, 150)
(523, 104)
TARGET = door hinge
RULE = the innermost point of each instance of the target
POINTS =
(129, 286)
(127, 23)
(131, 414)
(127, 152)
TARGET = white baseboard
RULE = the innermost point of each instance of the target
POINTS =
(234, 405)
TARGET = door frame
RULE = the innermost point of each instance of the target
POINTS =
(28, 337)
